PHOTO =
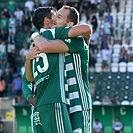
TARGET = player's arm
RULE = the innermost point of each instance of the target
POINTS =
(26, 87)
(81, 30)
(58, 46)
(33, 53)
(29, 74)
(27, 90)
(50, 46)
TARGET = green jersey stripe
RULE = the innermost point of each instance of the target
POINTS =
(59, 121)
(66, 87)
(61, 71)
(77, 63)
(86, 121)
(69, 66)
(73, 95)
(67, 101)
(71, 81)
(75, 109)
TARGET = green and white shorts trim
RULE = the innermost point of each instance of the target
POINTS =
(81, 121)
(52, 118)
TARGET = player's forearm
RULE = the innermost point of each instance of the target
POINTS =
(50, 46)
(29, 74)
(41, 43)
(80, 30)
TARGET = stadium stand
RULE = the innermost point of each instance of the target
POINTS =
(125, 102)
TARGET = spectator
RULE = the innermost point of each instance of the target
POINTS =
(127, 36)
(24, 51)
(2, 86)
(93, 5)
(117, 126)
(4, 23)
(97, 126)
(106, 58)
(117, 30)
(104, 40)
(117, 5)
(36, 4)
(12, 24)
(102, 9)
(92, 59)
(45, 2)
(11, 6)
(107, 27)
(94, 21)
(2, 53)
(17, 88)
(27, 19)
(3, 36)
(1, 126)
(12, 61)
(109, 4)
(130, 54)
(30, 4)
(86, 9)
(109, 17)
(19, 18)
(123, 55)
(77, 4)
(10, 47)
(115, 100)
(106, 100)
(8, 78)
(5, 12)
(94, 41)
(11, 38)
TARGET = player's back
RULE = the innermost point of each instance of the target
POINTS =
(49, 74)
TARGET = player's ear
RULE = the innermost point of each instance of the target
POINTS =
(70, 24)
(46, 20)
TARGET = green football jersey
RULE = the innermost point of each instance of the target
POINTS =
(48, 71)
(76, 65)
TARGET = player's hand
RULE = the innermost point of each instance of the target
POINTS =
(33, 52)
(32, 100)
(33, 36)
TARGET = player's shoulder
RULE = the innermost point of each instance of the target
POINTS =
(63, 27)
(42, 30)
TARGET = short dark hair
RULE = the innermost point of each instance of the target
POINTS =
(40, 13)
(73, 14)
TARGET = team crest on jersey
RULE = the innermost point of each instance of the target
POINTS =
(68, 40)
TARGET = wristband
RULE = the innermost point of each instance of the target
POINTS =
(34, 35)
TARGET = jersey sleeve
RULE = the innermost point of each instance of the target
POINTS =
(62, 32)
(75, 44)
(27, 88)
(55, 33)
